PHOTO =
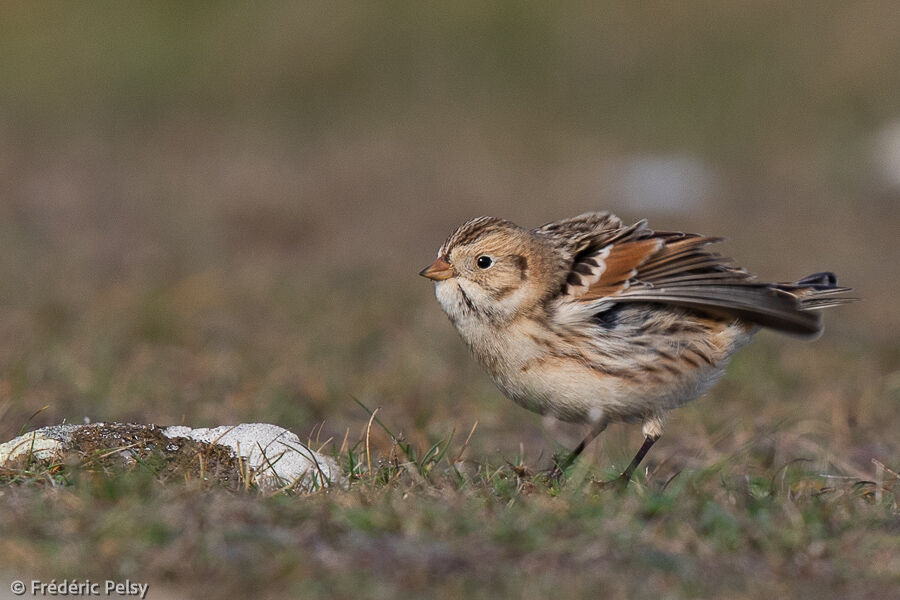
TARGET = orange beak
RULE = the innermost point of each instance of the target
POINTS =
(438, 270)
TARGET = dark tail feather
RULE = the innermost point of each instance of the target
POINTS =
(826, 279)
(814, 292)
(766, 305)
(786, 307)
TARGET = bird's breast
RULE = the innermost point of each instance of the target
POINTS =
(524, 359)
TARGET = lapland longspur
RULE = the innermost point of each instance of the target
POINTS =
(593, 321)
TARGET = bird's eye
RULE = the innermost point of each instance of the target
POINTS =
(484, 262)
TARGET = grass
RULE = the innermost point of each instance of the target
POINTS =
(214, 214)
(425, 522)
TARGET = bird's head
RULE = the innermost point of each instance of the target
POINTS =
(490, 269)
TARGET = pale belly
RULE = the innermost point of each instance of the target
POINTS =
(573, 393)
(630, 387)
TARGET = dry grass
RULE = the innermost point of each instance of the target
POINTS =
(213, 215)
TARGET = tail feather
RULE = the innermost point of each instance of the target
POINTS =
(825, 279)
(816, 291)
(820, 303)
(786, 307)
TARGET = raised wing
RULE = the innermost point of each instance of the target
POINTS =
(637, 264)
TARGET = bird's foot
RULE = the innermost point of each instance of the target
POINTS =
(560, 464)
(553, 474)
(618, 484)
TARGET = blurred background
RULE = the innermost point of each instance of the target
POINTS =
(214, 213)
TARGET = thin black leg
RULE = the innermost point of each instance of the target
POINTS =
(559, 468)
(645, 447)
(621, 482)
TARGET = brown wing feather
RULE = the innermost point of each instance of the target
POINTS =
(583, 233)
(636, 264)
(619, 267)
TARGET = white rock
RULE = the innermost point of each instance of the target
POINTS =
(275, 456)
(41, 443)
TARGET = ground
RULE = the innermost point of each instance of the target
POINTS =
(215, 214)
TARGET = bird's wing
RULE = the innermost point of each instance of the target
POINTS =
(575, 234)
(637, 264)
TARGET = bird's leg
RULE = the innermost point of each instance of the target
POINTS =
(645, 447)
(622, 480)
(560, 467)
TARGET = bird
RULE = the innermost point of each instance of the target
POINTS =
(592, 321)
